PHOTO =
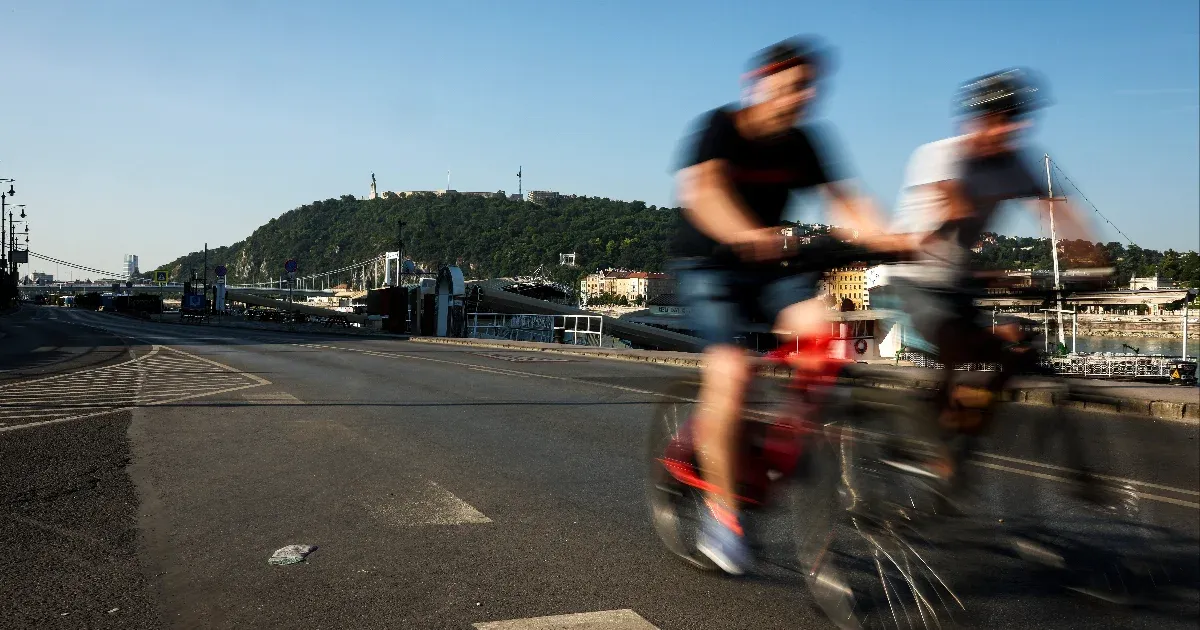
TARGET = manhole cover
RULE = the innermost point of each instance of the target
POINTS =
(521, 358)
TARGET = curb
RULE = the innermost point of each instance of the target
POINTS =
(1156, 409)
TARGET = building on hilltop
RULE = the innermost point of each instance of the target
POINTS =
(541, 196)
(634, 286)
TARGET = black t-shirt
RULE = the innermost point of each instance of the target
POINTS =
(764, 173)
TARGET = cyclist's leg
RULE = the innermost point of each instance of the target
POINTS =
(710, 294)
(791, 303)
(724, 378)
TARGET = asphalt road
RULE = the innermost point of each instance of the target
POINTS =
(445, 487)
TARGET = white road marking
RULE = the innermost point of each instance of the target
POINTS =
(146, 380)
(1038, 475)
(434, 505)
(604, 620)
(272, 398)
(472, 366)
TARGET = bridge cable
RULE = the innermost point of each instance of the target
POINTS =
(1089, 201)
(56, 261)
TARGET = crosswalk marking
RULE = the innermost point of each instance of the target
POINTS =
(604, 620)
(433, 505)
(162, 375)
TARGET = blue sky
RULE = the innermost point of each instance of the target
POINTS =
(153, 127)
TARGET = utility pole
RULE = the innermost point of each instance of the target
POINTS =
(520, 191)
(206, 271)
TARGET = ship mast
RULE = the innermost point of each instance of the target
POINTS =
(1054, 254)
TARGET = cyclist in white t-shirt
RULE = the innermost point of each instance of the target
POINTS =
(953, 189)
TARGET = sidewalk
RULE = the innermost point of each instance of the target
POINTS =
(1162, 402)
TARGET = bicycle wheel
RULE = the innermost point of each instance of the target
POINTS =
(1091, 527)
(862, 560)
(675, 508)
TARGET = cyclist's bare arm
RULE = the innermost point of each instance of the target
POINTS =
(715, 208)
(857, 213)
(1069, 222)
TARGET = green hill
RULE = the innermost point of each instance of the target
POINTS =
(500, 237)
(487, 237)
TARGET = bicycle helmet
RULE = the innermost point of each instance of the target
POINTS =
(789, 53)
(1013, 91)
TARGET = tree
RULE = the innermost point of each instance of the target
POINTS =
(498, 237)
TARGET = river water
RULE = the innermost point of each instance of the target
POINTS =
(1169, 347)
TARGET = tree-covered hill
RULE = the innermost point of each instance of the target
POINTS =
(500, 237)
(487, 236)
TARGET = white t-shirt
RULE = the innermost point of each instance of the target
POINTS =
(984, 182)
(920, 206)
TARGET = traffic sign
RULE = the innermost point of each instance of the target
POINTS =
(221, 271)
(160, 276)
(221, 279)
(291, 265)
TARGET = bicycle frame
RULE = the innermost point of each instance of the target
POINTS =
(768, 443)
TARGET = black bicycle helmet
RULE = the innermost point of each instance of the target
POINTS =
(791, 52)
(1013, 91)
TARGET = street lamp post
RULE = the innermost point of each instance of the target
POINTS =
(12, 240)
(3, 208)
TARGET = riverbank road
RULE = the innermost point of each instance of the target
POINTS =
(150, 470)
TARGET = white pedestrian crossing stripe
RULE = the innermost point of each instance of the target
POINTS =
(162, 375)
(604, 620)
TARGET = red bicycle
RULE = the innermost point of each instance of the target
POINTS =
(775, 440)
(848, 444)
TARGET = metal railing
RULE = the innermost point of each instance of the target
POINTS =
(583, 330)
(1114, 365)
(1085, 365)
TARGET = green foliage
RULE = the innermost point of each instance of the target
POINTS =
(612, 299)
(499, 237)
(1007, 252)
(488, 237)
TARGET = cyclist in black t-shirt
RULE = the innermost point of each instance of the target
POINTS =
(735, 185)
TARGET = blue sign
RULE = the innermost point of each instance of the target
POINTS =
(291, 265)
(193, 302)
(221, 271)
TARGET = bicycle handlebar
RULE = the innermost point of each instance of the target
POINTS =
(820, 254)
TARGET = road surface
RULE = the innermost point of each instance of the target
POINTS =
(150, 470)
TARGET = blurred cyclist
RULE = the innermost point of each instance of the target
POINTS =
(952, 190)
(740, 171)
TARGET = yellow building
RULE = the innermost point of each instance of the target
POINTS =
(635, 286)
(847, 283)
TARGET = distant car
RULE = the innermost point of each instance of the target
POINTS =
(1145, 319)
